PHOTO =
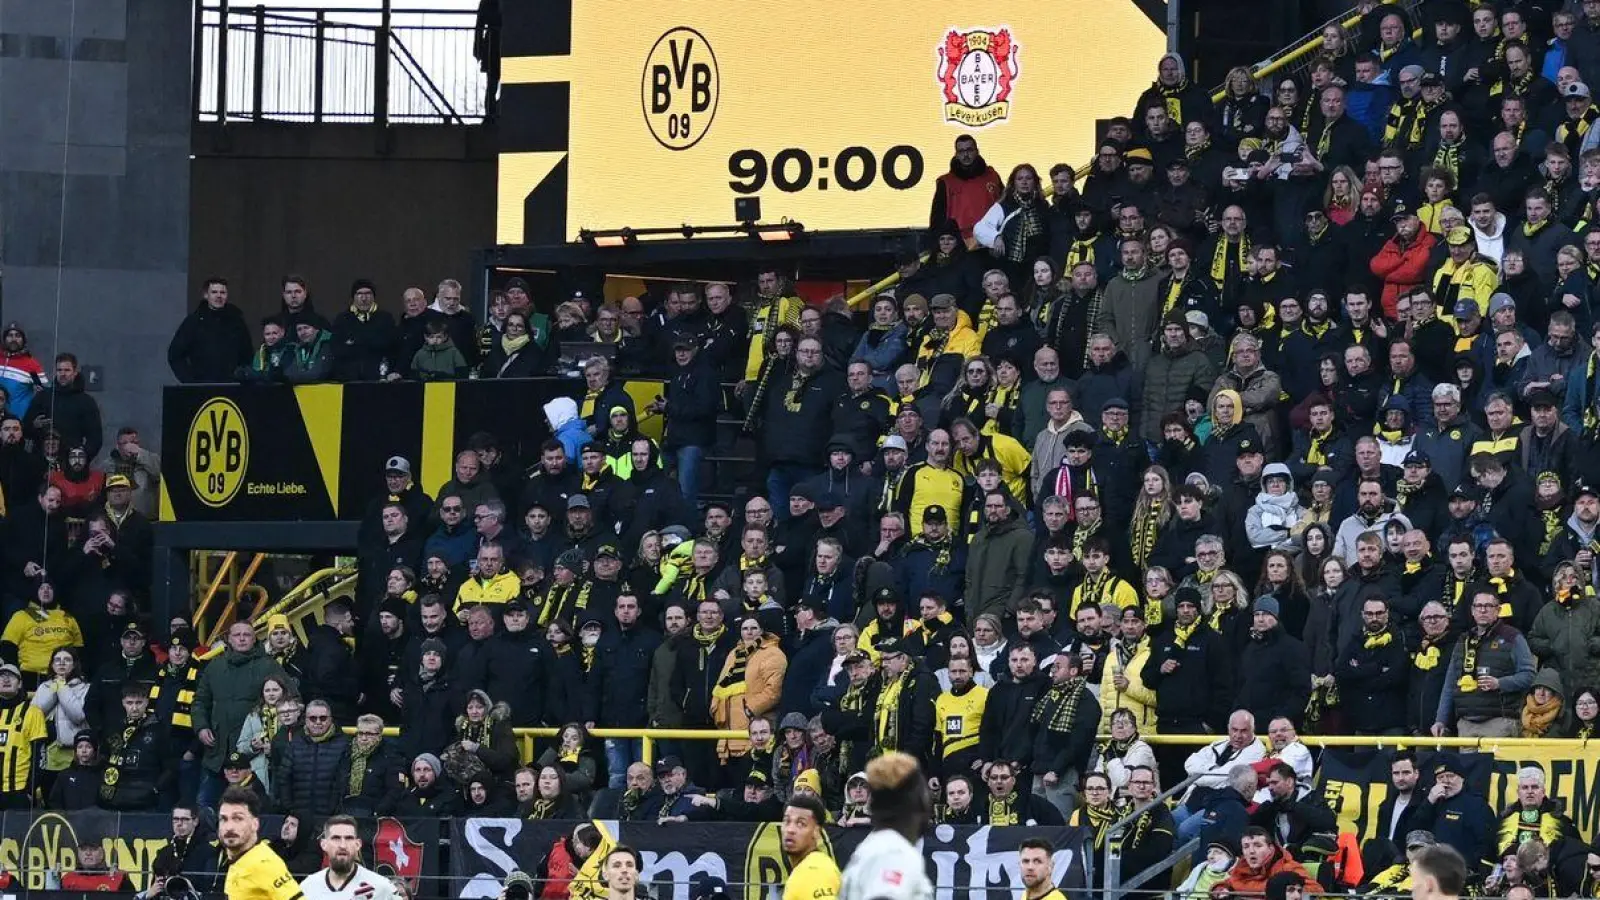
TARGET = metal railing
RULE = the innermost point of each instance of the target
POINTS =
(346, 64)
(1114, 884)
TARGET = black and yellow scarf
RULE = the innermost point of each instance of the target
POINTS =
(1099, 819)
(707, 640)
(1057, 710)
(358, 767)
(941, 551)
(732, 682)
(1146, 528)
(1229, 259)
(1571, 133)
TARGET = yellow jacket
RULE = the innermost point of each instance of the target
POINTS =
(1009, 453)
(962, 340)
(1475, 281)
(498, 589)
(764, 320)
(1138, 698)
(38, 633)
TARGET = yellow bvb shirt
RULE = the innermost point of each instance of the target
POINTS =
(815, 878)
(260, 875)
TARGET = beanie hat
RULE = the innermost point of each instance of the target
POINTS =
(433, 645)
(1268, 604)
(430, 761)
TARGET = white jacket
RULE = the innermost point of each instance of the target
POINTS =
(1491, 245)
(1213, 761)
(63, 704)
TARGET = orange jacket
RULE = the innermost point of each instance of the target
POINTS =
(1242, 879)
(1402, 270)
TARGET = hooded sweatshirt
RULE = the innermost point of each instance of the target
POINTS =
(1272, 518)
(562, 414)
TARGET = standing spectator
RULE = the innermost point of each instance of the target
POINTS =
(1566, 636)
(313, 774)
(999, 559)
(212, 341)
(310, 359)
(138, 773)
(21, 375)
(363, 337)
(142, 467)
(750, 686)
(1065, 720)
(1489, 671)
(447, 308)
(1274, 670)
(65, 409)
(966, 192)
(620, 684)
(229, 688)
(1131, 313)
(1372, 673)
(692, 400)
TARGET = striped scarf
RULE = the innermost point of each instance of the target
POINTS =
(1226, 262)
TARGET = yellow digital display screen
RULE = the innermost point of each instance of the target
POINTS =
(837, 114)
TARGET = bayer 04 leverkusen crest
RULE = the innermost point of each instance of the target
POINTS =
(978, 69)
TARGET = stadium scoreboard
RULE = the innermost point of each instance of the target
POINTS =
(837, 114)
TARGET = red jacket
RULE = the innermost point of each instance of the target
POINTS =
(1402, 270)
(1244, 880)
(966, 200)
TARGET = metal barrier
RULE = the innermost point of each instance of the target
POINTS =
(338, 64)
(1113, 875)
(649, 736)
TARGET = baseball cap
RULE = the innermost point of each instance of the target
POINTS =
(666, 764)
(935, 513)
(1575, 90)
(1139, 155)
(11, 668)
(895, 442)
(578, 501)
(1584, 487)
(942, 301)
(397, 464)
(118, 481)
(1420, 838)
(1417, 458)
(889, 645)
(1432, 79)
(1465, 309)
(1459, 236)
(607, 550)
(277, 621)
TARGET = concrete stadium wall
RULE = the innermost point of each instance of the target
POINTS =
(333, 203)
(94, 188)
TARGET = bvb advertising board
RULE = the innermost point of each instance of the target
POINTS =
(837, 114)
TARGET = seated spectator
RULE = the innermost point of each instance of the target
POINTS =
(310, 359)
(1261, 860)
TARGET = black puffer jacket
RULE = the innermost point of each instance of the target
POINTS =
(384, 777)
(1274, 677)
(313, 777)
(209, 345)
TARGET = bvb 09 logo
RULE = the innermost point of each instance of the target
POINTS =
(218, 452)
(680, 88)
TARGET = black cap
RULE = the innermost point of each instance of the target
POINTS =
(1542, 397)
(132, 628)
(1417, 458)
(935, 513)
(1188, 595)
(82, 737)
(186, 638)
(1249, 445)
(1465, 491)
(607, 550)
(757, 778)
(1584, 487)
(802, 492)
(518, 282)
(817, 605)
(1115, 403)
(888, 645)
(1432, 79)
(666, 764)
(236, 760)
(516, 604)
(885, 594)
(1449, 763)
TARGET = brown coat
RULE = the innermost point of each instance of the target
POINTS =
(763, 689)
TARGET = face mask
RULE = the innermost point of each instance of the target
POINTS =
(590, 639)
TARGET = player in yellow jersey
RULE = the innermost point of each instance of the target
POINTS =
(813, 874)
(254, 871)
(1035, 858)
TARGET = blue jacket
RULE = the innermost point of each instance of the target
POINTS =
(1555, 57)
(566, 427)
(456, 548)
(1368, 103)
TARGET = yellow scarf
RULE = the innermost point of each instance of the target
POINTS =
(1220, 258)
(1374, 641)
(887, 715)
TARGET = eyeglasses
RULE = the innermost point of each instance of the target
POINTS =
(1434, 618)
(369, 734)
(450, 509)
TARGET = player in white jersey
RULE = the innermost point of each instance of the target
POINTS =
(345, 878)
(888, 865)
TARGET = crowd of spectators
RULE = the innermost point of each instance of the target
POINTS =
(1286, 418)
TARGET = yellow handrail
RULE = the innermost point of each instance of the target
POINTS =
(238, 590)
(216, 585)
(1379, 743)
